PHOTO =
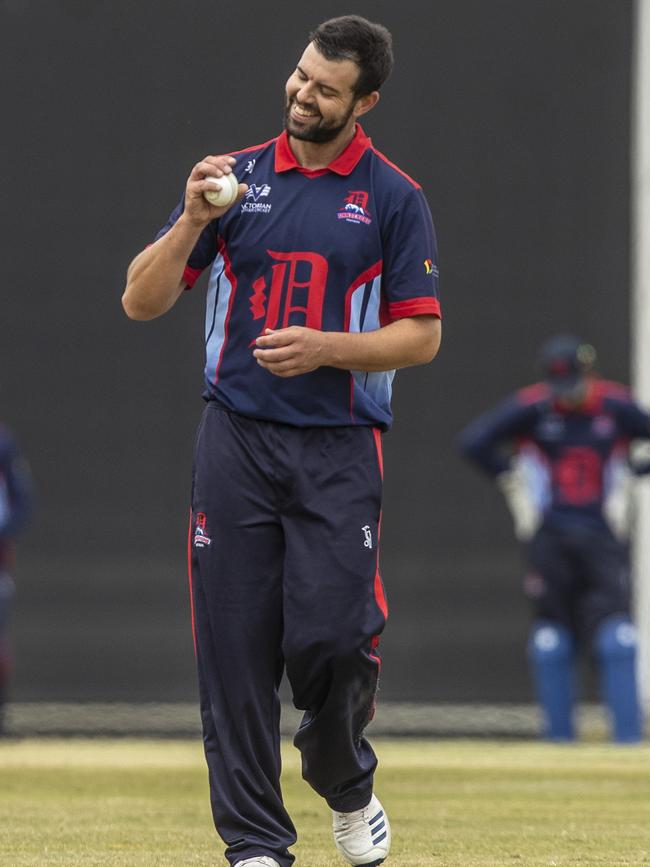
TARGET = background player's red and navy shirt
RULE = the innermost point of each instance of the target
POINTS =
(572, 457)
(15, 494)
(346, 248)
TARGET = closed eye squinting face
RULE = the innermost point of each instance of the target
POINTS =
(320, 98)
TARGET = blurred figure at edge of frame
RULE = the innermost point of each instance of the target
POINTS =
(15, 508)
(559, 451)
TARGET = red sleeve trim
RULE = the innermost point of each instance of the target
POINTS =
(191, 275)
(414, 307)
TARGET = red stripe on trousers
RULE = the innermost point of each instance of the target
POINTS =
(380, 596)
(189, 575)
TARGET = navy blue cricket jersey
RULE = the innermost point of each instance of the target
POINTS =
(15, 493)
(347, 248)
(571, 458)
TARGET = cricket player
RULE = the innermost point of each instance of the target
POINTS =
(15, 507)
(323, 282)
(559, 451)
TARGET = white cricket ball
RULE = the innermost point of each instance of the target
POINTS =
(226, 195)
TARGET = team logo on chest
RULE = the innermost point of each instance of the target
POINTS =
(252, 203)
(293, 293)
(355, 208)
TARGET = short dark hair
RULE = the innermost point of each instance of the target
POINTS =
(367, 44)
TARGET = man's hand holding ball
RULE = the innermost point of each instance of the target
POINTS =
(212, 188)
(226, 190)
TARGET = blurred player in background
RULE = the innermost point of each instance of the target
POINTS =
(559, 452)
(323, 281)
(15, 504)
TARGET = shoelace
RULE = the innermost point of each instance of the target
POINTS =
(345, 820)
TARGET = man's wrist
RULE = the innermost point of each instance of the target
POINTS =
(189, 225)
(330, 355)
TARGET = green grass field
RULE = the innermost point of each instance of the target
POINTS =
(451, 803)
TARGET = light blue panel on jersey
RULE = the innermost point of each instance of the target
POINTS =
(378, 385)
(364, 306)
(218, 300)
(550, 653)
(364, 316)
(615, 644)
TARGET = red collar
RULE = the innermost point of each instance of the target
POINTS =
(343, 164)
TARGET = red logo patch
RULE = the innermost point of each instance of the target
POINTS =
(201, 539)
(355, 208)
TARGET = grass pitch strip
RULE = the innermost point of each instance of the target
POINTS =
(452, 803)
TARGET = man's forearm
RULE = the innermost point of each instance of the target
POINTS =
(155, 277)
(296, 350)
(401, 344)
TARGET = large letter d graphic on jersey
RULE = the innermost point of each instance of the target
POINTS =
(297, 291)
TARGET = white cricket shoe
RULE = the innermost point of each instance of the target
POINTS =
(258, 861)
(363, 836)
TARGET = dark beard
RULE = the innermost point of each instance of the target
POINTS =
(319, 134)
